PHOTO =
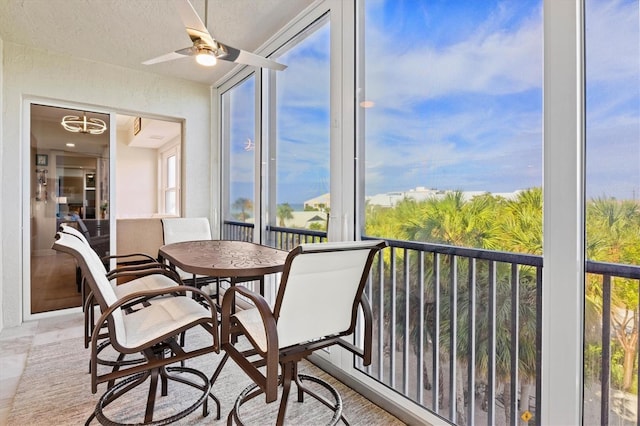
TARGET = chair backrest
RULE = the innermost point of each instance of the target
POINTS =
(94, 272)
(179, 229)
(321, 288)
(88, 251)
(67, 229)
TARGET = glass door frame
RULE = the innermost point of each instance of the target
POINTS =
(223, 121)
(25, 197)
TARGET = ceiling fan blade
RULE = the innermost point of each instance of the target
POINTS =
(199, 35)
(194, 25)
(167, 57)
(240, 56)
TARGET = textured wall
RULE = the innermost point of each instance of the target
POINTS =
(39, 75)
(2, 179)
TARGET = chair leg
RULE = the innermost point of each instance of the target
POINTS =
(335, 407)
(88, 319)
(151, 398)
(216, 373)
(116, 367)
(300, 389)
(287, 374)
(128, 383)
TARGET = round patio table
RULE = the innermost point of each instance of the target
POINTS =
(224, 258)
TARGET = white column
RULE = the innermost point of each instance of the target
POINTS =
(563, 272)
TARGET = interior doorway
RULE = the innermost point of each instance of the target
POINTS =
(72, 180)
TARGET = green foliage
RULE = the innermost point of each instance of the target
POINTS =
(617, 372)
(242, 207)
(284, 212)
(318, 226)
(592, 359)
(496, 223)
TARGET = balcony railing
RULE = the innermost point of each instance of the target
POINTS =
(605, 362)
(237, 231)
(459, 330)
(284, 238)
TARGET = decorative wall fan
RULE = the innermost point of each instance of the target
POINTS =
(206, 49)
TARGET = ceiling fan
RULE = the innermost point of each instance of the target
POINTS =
(206, 49)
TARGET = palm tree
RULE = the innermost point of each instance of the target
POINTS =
(452, 221)
(284, 212)
(245, 206)
(613, 235)
(520, 224)
(489, 222)
(484, 221)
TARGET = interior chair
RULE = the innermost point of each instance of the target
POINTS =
(152, 331)
(317, 304)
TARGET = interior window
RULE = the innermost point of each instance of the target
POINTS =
(170, 165)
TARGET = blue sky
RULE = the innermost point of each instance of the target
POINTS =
(458, 101)
(613, 98)
(457, 93)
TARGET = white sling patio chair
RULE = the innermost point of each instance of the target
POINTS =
(147, 274)
(180, 229)
(321, 291)
(152, 331)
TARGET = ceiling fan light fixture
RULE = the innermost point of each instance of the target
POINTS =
(206, 57)
(75, 124)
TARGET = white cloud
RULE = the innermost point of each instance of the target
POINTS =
(613, 49)
(494, 62)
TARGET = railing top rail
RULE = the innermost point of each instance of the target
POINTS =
(238, 223)
(592, 267)
(476, 253)
(613, 269)
(298, 231)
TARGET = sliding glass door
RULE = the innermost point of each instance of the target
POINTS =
(612, 281)
(69, 185)
(238, 131)
(299, 152)
(276, 158)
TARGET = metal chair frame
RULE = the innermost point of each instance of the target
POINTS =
(266, 356)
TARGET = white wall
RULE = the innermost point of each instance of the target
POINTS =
(36, 74)
(2, 179)
(137, 177)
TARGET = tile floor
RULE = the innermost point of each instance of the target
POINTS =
(15, 343)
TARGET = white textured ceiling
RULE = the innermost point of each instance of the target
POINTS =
(127, 32)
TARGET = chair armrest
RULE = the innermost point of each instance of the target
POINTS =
(178, 354)
(364, 353)
(368, 329)
(268, 381)
(268, 321)
(143, 270)
(146, 257)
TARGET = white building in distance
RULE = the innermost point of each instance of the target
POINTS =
(420, 193)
